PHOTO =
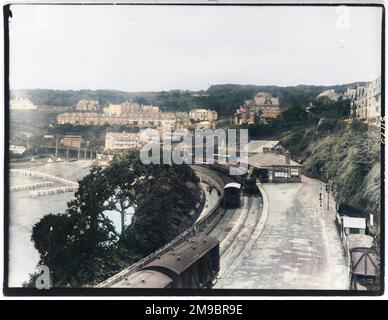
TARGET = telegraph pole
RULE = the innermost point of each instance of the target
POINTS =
(329, 187)
(49, 258)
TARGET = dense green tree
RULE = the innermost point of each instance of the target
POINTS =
(123, 176)
(81, 246)
(167, 195)
(223, 98)
(331, 109)
(77, 245)
(77, 248)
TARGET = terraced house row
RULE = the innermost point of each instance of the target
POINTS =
(127, 113)
(365, 102)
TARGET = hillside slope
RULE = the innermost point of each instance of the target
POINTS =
(348, 154)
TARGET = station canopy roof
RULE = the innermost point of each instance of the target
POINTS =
(265, 160)
(254, 146)
(257, 146)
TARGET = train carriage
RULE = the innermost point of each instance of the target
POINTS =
(191, 264)
(364, 261)
(232, 193)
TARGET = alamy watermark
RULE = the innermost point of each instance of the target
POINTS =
(43, 280)
(343, 18)
(200, 146)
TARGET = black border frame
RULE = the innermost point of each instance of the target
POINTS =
(13, 291)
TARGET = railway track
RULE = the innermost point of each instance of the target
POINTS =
(235, 250)
(229, 217)
(237, 231)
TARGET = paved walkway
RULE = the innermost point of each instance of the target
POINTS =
(299, 247)
(211, 200)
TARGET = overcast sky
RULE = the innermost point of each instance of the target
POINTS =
(135, 48)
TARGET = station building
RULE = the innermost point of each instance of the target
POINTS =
(271, 162)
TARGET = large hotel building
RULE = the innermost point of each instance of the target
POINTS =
(262, 108)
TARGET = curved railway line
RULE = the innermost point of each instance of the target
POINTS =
(236, 225)
(242, 236)
(223, 224)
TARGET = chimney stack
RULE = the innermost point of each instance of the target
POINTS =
(288, 157)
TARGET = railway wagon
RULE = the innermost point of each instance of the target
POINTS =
(232, 195)
(364, 260)
(194, 263)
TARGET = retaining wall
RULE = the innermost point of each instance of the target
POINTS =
(42, 175)
(49, 192)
